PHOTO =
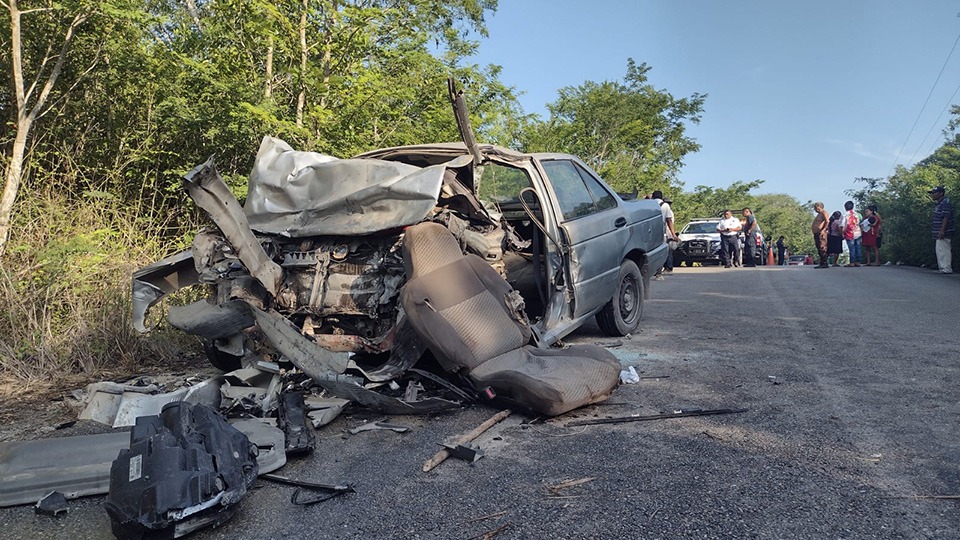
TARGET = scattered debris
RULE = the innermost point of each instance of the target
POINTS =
(75, 466)
(322, 411)
(186, 469)
(52, 504)
(383, 426)
(120, 405)
(566, 484)
(269, 440)
(292, 419)
(442, 455)
(491, 533)
(486, 517)
(629, 376)
(322, 492)
(464, 452)
(680, 414)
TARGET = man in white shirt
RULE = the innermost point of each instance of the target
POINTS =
(729, 229)
(670, 234)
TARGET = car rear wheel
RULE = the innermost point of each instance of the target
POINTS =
(621, 315)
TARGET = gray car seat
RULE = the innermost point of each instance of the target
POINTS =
(469, 317)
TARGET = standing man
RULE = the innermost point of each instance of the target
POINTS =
(729, 229)
(750, 232)
(944, 227)
(781, 252)
(819, 228)
(670, 234)
(852, 233)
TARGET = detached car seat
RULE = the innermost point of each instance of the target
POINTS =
(471, 319)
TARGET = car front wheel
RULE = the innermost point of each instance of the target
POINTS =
(621, 315)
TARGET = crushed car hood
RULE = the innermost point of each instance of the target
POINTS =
(299, 194)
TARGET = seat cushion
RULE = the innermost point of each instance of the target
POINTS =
(551, 381)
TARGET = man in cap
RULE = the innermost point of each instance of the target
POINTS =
(944, 226)
(670, 234)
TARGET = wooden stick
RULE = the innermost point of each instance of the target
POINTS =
(476, 432)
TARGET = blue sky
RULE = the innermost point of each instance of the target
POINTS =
(804, 95)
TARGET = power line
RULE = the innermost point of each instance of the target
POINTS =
(892, 167)
(935, 122)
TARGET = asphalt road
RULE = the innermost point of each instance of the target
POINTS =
(848, 375)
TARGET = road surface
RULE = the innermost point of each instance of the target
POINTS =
(848, 376)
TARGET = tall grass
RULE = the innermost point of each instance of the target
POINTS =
(65, 285)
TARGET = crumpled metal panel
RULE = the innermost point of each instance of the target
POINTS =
(301, 194)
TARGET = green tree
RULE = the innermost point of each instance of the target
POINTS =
(631, 133)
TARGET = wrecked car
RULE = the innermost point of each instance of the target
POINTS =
(316, 251)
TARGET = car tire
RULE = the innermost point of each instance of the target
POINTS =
(677, 263)
(621, 315)
(223, 361)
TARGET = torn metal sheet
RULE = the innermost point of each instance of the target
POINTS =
(309, 357)
(75, 466)
(379, 426)
(347, 387)
(301, 194)
(119, 410)
(152, 283)
(209, 191)
(322, 411)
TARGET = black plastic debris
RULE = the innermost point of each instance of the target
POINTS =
(52, 504)
(316, 493)
(186, 469)
(292, 419)
(464, 452)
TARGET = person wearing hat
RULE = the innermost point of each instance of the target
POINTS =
(670, 233)
(944, 226)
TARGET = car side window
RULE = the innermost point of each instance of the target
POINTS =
(603, 199)
(502, 184)
(572, 194)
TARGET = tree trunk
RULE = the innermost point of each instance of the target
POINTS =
(12, 181)
(25, 113)
(268, 75)
(302, 97)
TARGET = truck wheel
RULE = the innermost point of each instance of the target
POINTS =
(621, 315)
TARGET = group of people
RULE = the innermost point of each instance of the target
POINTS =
(730, 228)
(863, 234)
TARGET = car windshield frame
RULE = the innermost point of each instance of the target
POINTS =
(701, 227)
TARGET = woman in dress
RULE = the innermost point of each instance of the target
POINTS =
(834, 239)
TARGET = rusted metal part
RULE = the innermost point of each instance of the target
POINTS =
(304, 353)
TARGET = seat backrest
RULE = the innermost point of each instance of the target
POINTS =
(458, 304)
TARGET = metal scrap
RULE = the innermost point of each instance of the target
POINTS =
(374, 426)
(680, 414)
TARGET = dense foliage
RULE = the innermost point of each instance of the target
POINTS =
(105, 104)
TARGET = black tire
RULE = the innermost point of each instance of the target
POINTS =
(221, 360)
(621, 315)
(678, 262)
